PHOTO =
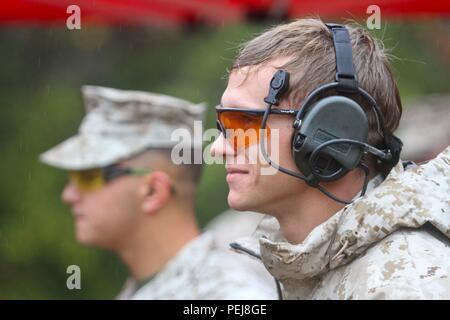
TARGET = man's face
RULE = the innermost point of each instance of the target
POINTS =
(249, 189)
(107, 216)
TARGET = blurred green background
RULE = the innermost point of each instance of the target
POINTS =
(41, 72)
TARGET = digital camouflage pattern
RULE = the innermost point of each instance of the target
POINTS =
(231, 225)
(201, 270)
(393, 243)
(122, 123)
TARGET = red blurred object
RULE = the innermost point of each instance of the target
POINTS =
(215, 12)
(357, 8)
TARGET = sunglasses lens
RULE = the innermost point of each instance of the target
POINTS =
(242, 128)
(87, 180)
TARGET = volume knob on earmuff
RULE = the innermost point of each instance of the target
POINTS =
(299, 140)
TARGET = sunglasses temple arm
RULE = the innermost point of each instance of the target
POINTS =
(262, 142)
(139, 171)
(110, 173)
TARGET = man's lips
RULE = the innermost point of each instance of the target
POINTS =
(235, 173)
(232, 170)
(77, 213)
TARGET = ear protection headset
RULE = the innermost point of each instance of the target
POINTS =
(330, 130)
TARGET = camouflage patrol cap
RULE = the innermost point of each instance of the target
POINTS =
(120, 124)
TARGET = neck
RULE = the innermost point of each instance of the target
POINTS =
(299, 215)
(299, 220)
(156, 240)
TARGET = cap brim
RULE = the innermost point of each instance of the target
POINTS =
(86, 152)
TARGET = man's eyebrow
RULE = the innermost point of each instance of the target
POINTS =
(236, 105)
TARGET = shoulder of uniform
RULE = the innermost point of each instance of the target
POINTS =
(407, 264)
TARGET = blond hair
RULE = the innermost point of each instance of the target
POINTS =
(309, 44)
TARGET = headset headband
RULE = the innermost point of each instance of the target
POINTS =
(345, 72)
(346, 81)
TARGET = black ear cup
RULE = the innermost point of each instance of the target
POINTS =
(330, 118)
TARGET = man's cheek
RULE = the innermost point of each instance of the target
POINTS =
(284, 151)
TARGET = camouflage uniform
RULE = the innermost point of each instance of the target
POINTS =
(393, 243)
(120, 124)
(202, 271)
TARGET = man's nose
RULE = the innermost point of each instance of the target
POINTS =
(70, 194)
(221, 147)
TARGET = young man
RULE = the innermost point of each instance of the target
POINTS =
(323, 240)
(127, 196)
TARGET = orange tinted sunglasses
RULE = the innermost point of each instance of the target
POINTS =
(241, 127)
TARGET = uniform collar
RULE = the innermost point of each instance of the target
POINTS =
(408, 198)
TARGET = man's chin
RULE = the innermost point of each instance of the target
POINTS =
(238, 202)
(81, 239)
(84, 238)
(94, 242)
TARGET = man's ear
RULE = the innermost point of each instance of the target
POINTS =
(156, 191)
